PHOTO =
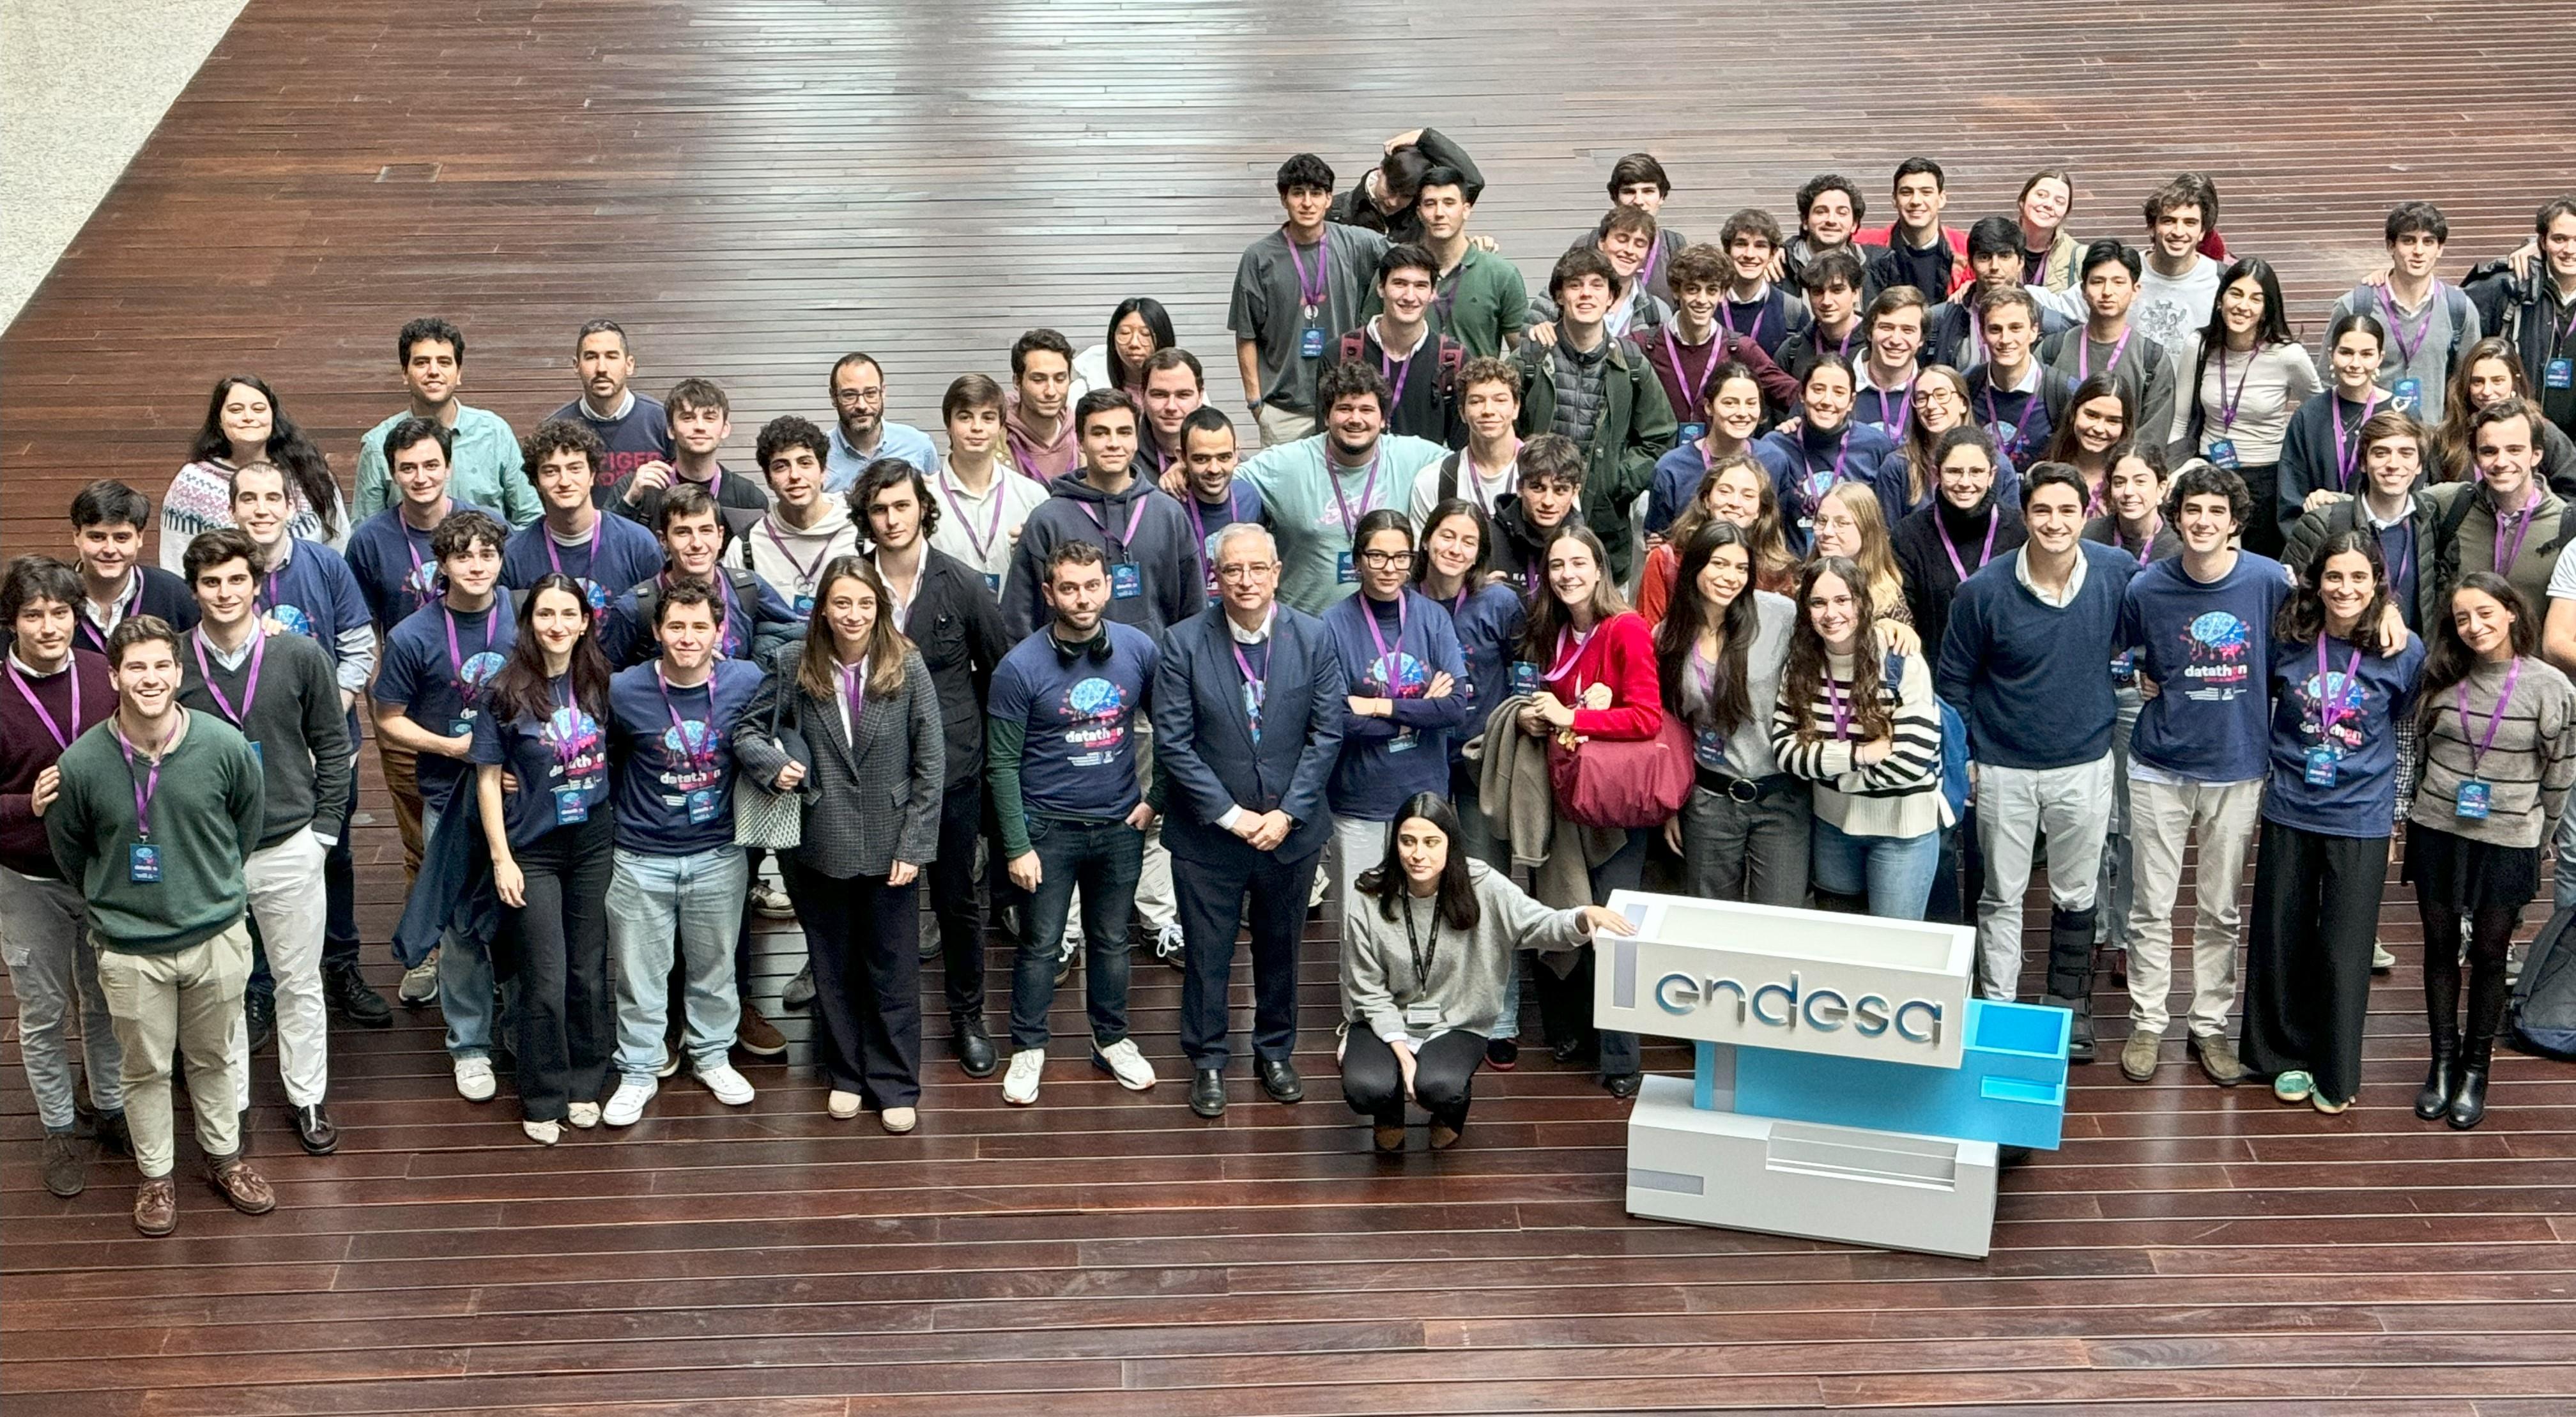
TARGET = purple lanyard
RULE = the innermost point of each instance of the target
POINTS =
(1841, 711)
(854, 689)
(1257, 684)
(1388, 660)
(1125, 539)
(1841, 451)
(71, 666)
(1398, 372)
(2406, 350)
(598, 526)
(2460, 700)
(1726, 316)
(2505, 556)
(1198, 516)
(145, 787)
(2398, 577)
(701, 756)
(992, 525)
(1697, 389)
(2344, 459)
(1475, 482)
(1368, 491)
(1312, 294)
(1904, 408)
(250, 686)
(2330, 703)
(1993, 520)
(456, 652)
(412, 547)
(805, 571)
(2227, 411)
(2147, 543)
(2084, 355)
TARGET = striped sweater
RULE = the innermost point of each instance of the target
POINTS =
(2527, 771)
(1894, 797)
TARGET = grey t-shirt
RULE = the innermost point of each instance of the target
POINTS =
(1268, 309)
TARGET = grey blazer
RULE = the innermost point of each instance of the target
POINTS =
(867, 805)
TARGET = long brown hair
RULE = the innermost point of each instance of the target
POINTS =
(1765, 541)
(818, 669)
(1730, 700)
(2452, 659)
(521, 689)
(2448, 459)
(1548, 617)
(1803, 682)
(1922, 469)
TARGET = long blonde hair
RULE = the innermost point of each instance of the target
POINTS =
(818, 669)
(1877, 558)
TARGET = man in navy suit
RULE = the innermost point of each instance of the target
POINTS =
(1248, 708)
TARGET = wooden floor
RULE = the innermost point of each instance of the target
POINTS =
(755, 186)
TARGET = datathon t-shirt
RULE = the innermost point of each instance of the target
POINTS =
(1079, 756)
(561, 763)
(2208, 649)
(617, 555)
(674, 757)
(442, 691)
(2370, 695)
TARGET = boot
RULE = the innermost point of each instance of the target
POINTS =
(2469, 1104)
(2079, 1038)
(2070, 975)
(2442, 1081)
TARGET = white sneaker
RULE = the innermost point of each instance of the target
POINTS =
(1020, 1083)
(420, 982)
(731, 1088)
(770, 901)
(543, 1133)
(1122, 1061)
(1168, 945)
(626, 1104)
(841, 1106)
(583, 1115)
(474, 1079)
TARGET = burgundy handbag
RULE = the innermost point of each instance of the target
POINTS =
(1616, 782)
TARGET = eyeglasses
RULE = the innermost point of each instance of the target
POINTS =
(1239, 571)
(876, 395)
(1383, 560)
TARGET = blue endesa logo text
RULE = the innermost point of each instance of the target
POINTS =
(1824, 1010)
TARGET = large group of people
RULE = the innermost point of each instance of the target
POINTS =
(1938, 553)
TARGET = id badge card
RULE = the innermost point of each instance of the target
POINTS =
(2124, 667)
(2471, 803)
(573, 805)
(1404, 741)
(804, 606)
(258, 756)
(2222, 453)
(1345, 569)
(1421, 1016)
(994, 580)
(2558, 374)
(1708, 747)
(1126, 581)
(2408, 395)
(702, 806)
(2321, 766)
(463, 725)
(1691, 432)
(143, 863)
(1524, 677)
(1310, 344)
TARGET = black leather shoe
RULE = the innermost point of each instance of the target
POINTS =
(259, 1010)
(1624, 1084)
(974, 1048)
(114, 1139)
(1207, 1092)
(346, 991)
(314, 1131)
(1279, 1079)
(1566, 1050)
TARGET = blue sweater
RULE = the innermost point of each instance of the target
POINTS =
(2034, 680)
(1807, 465)
(2209, 650)
(1386, 760)
(1488, 624)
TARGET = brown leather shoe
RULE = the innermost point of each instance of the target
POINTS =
(758, 1036)
(156, 1206)
(241, 1187)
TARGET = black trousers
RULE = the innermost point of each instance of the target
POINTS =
(955, 902)
(2263, 534)
(1443, 1070)
(1565, 1004)
(864, 937)
(2307, 955)
(564, 1022)
(1210, 899)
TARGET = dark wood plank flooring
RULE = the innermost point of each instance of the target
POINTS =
(756, 186)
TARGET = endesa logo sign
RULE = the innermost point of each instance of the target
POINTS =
(1793, 1004)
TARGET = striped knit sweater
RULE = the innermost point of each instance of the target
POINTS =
(2527, 772)
(1895, 797)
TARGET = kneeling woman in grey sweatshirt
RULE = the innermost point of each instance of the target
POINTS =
(1426, 955)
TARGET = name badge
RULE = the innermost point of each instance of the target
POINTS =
(257, 756)
(994, 580)
(572, 805)
(2222, 453)
(2471, 803)
(703, 804)
(1524, 677)
(1404, 741)
(1346, 569)
(1421, 1016)
(462, 726)
(804, 605)
(2408, 395)
(1310, 345)
(1708, 747)
(2321, 766)
(1126, 581)
(143, 863)
(2124, 668)
(2559, 374)
(1691, 432)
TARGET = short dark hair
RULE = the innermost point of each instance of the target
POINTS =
(970, 391)
(2003, 295)
(1175, 358)
(1206, 418)
(1823, 182)
(1075, 552)
(559, 435)
(1488, 369)
(2201, 478)
(108, 502)
(1630, 219)
(2550, 211)
(1442, 175)
(2504, 410)
(695, 392)
(139, 629)
(1304, 170)
(2391, 423)
(1405, 255)
(33, 578)
(1920, 167)
(461, 530)
(1039, 341)
(2183, 191)
(1698, 264)
(1349, 379)
(1994, 236)
(1401, 170)
(1575, 264)
(2408, 218)
(1751, 221)
(1552, 457)
(892, 472)
(1639, 167)
(682, 590)
(411, 432)
(2053, 474)
(604, 327)
(1102, 401)
(790, 431)
(428, 327)
(1839, 264)
(845, 361)
(209, 549)
(2108, 252)
(686, 499)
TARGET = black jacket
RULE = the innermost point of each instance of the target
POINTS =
(957, 625)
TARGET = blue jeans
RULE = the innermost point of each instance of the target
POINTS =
(654, 901)
(1895, 872)
(1105, 858)
(464, 971)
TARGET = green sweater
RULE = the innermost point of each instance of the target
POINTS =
(206, 819)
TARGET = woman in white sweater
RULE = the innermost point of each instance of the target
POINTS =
(2247, 376)
(1426, 961)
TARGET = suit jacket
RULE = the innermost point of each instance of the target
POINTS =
(870, 803)
(957, 624)
(1203, 748)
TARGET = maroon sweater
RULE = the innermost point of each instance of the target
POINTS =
(26, 749)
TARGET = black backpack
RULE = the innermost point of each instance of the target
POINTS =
(2544, 998)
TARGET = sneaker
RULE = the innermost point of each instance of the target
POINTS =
(420, 982)
(2218, 1059)
(799, 992)
(2332, 1109)
(1167, 946)
(474, 1079)
(1020, 1080)
(2138, 1055)
(626, 1104)
(758, 1036)
(2294, 1086)
(2381, 961)
(899, 1120)
(731, 1088)
(841, 1106)
(1122, 1061)
(542, 1133)
(582, 1115)
(771, 903)
(1502, 1054)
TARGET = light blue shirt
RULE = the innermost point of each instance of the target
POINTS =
(484, 467)
(894, 440)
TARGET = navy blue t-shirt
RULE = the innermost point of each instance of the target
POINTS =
(641, 435)
(1079, 755)
(2208, 648)
(1393, 656)
(396, 572)
(561, 764)
(316, 595)
(674, 781)
(438, 692)
(2361, 800)
(615, 556)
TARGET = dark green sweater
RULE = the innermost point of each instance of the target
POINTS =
(206, 819)
(302, 733)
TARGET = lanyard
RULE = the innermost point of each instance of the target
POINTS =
(1422, 957)
(2460, 700)
(1841, 710)
(1654, 262)
(1128, 537)
(411, 545)
(590, 553)
(1368, 491)
(456, 652)
(1311, 294)
(1474, 481)
(2330, 703)
(1994, 519)
(1904, 409)
(2084, 355)
(1697, 389)
(2227, 411)
(1397, 372)
(1565, 655)
(2408, 349)
(701, 755)
(1816, 495)
(1198, 515)
(2344, 459)
(250, 686)
(1726, 316)
(806, 571)
(71, 666)
(992, 525)
(2397, 578)
(1388, 660)
(854, 689)
(568, 747)
(2504, 556)
(145, 787)
(2147, 543)
(1256, 687)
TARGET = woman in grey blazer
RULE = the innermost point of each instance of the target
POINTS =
(852, 725)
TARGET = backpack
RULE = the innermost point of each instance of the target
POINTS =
(2455, 302)
(1954, 737)
(2544, 998)
(1449, 355)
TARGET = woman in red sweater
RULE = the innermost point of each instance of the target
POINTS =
(1595, 660)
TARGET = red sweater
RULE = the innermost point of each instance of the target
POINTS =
(1621, 654)
(26, 749)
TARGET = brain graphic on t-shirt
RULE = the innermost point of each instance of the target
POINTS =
(1094, 699)
(574, 735)
(1412, 677)
(294, 619)
(478, 671)
(423, 579)
(2346, 698)
(2219, 634)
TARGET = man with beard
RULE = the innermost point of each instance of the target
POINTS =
(636, 430)
(861, 433)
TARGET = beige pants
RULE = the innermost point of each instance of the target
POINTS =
(1279, 426)
(2162, 818)
(188, 1002)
